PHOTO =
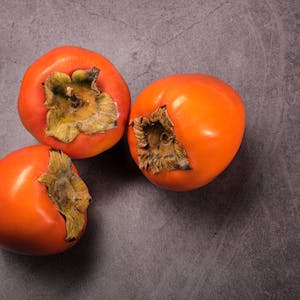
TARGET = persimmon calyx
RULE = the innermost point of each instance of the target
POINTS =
(157, 146)
(67, 191)
(77, 106)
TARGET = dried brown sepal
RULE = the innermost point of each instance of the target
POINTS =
(157, 147)
(67, 191)
(77, 106)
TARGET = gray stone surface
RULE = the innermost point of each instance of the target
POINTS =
(238, 237)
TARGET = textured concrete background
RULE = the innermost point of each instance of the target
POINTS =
(237, 238)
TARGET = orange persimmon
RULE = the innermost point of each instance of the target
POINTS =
(185, 129)
(74, 100)
(43, 201)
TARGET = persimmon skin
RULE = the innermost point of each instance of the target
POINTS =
(67, 59)
(30, 223)
(209, 122)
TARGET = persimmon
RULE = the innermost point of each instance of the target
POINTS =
(74, 100)
(43, 201)
(184, 130)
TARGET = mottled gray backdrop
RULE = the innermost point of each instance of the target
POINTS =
(238, 237)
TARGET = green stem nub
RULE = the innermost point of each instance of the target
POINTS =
(77, 106)
(67, 191)
(157, 147)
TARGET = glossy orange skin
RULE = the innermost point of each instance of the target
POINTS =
(209, 121)
(68, 59)
(29, 221)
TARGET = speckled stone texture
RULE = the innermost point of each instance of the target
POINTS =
(238, 237)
